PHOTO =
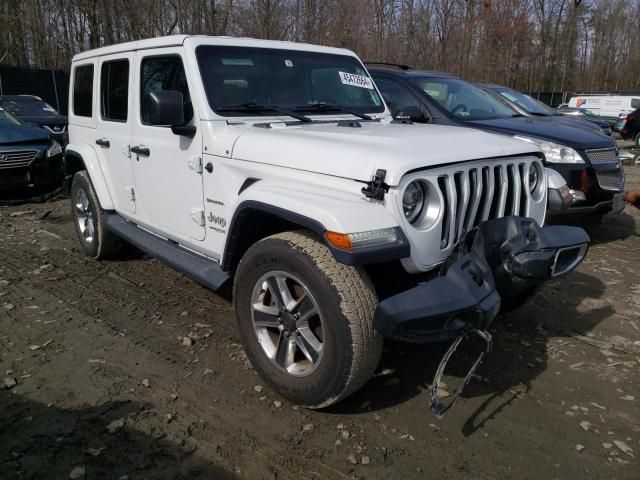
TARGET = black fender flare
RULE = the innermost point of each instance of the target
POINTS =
(364, 256)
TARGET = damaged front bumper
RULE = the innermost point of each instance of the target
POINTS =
(500, 258)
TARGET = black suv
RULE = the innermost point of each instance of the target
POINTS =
(34, 110)
(530, 107)
(587, 160)
(30, 161)
(628, 126)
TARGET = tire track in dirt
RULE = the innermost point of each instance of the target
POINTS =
(117, 312)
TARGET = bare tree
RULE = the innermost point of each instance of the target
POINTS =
(527, 44)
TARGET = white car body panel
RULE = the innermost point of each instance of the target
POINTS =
(358, 152)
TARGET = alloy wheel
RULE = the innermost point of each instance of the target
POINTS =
(84, 215)
(287, 323)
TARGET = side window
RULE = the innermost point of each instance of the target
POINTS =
(114, 90)
(164, 73)
(635, 103)
(400, 98)
(83, 91)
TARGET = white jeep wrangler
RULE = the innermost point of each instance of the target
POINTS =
(277, 166)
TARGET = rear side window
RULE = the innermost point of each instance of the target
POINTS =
(83, 91)
(635, 103)
(164, 73)
(114, 90)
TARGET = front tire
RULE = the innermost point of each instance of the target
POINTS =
(88, 218)
(636, 140)
(305, 320)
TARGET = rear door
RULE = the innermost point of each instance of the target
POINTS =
(114, 126)
(169, 193)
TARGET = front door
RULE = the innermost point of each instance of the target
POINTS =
(169, 194)
(114, 125)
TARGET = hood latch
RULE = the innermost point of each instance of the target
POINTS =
(376, 188)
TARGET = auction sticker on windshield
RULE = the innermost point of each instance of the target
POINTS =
(356, 80)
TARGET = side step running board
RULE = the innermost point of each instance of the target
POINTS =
(196, 267)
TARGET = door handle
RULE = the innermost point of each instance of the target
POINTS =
(140, 150)
(103, 142)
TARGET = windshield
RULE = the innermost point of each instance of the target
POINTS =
(6, 117)
(464, 100)
(238, 80)
(28, 107)
(527, 103)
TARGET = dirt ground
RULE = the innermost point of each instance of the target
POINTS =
(107, 387)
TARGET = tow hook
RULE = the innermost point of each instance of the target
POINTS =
(438, 407)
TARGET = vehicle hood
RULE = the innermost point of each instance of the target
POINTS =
(581, 122)
(45, 120)
(10, 134)
(357, 152)
(547, 128)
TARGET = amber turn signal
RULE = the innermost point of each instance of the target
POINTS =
(338, 240)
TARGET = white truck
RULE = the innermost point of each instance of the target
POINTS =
(276, 167)
(604, 105)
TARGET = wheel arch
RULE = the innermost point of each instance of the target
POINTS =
(80, 157)
(254, 220)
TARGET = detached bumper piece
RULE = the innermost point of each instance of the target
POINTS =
(522, 254)
(462, 297)
(439, 407)
(500, 258)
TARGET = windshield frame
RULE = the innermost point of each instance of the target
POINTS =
(490, 97)
(223, 110)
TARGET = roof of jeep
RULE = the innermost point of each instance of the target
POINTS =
(178, 40)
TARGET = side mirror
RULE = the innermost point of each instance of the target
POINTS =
(165, 108)
(412, 113)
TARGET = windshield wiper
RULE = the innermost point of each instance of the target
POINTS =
(327, 107)
(256, 108)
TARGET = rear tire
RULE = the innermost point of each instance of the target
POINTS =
(324, 358)
(88, 218)
(636, 140)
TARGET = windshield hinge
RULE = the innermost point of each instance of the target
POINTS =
(197, 215)
(131, 193)
(376, 188)
(195, 163)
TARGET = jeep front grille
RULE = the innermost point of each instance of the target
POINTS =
(607, 155)
(475, 194)
(17, 159)
(611, 180)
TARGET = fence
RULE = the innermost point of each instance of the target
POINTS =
(50, 85)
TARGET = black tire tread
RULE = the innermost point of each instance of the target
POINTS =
(109, 245)
(358, 304)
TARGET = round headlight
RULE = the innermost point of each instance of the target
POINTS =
(534, 177)
(413, 201)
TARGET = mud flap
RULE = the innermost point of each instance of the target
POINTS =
(438, 407)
